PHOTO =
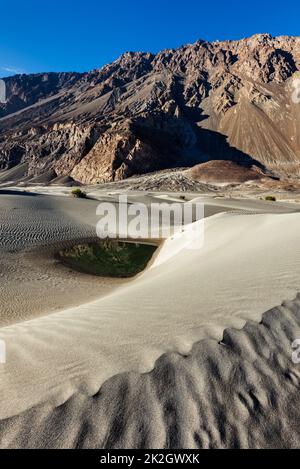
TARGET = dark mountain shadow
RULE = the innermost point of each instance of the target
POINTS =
(195, 114)
(215, 146)
(211, 145)
(19, 193)
(181, 142)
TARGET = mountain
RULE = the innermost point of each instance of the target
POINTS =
(228, 101)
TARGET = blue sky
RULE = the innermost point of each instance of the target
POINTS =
(78, 35)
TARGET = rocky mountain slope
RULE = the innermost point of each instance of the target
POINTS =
(231, 100)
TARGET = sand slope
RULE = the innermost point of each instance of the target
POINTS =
(219, 396)
(241, 393)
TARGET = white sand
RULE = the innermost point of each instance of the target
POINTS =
(248, 264)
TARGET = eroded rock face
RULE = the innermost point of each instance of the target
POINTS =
(134, 147)
(26, 90)
(231, 100)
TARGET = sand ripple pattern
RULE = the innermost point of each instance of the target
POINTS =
(242, 392)
(31, 220)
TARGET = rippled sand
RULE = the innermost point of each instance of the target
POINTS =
(177, 357)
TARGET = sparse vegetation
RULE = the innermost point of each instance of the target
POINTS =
(270, 198)
(108, 258)
(78, 193)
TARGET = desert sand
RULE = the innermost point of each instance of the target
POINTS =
(194, 352)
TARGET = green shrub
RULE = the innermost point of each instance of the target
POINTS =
(270, 198)
(78, 193)
(108, 258)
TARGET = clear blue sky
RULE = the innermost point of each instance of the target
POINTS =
(78, 35)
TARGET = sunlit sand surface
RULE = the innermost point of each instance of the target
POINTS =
(176, 356)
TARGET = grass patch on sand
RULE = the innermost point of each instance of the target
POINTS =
(78, 194)
(108, 258)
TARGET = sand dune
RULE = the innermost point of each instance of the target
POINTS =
(240, 393)
(33, 228)
(148, 351)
